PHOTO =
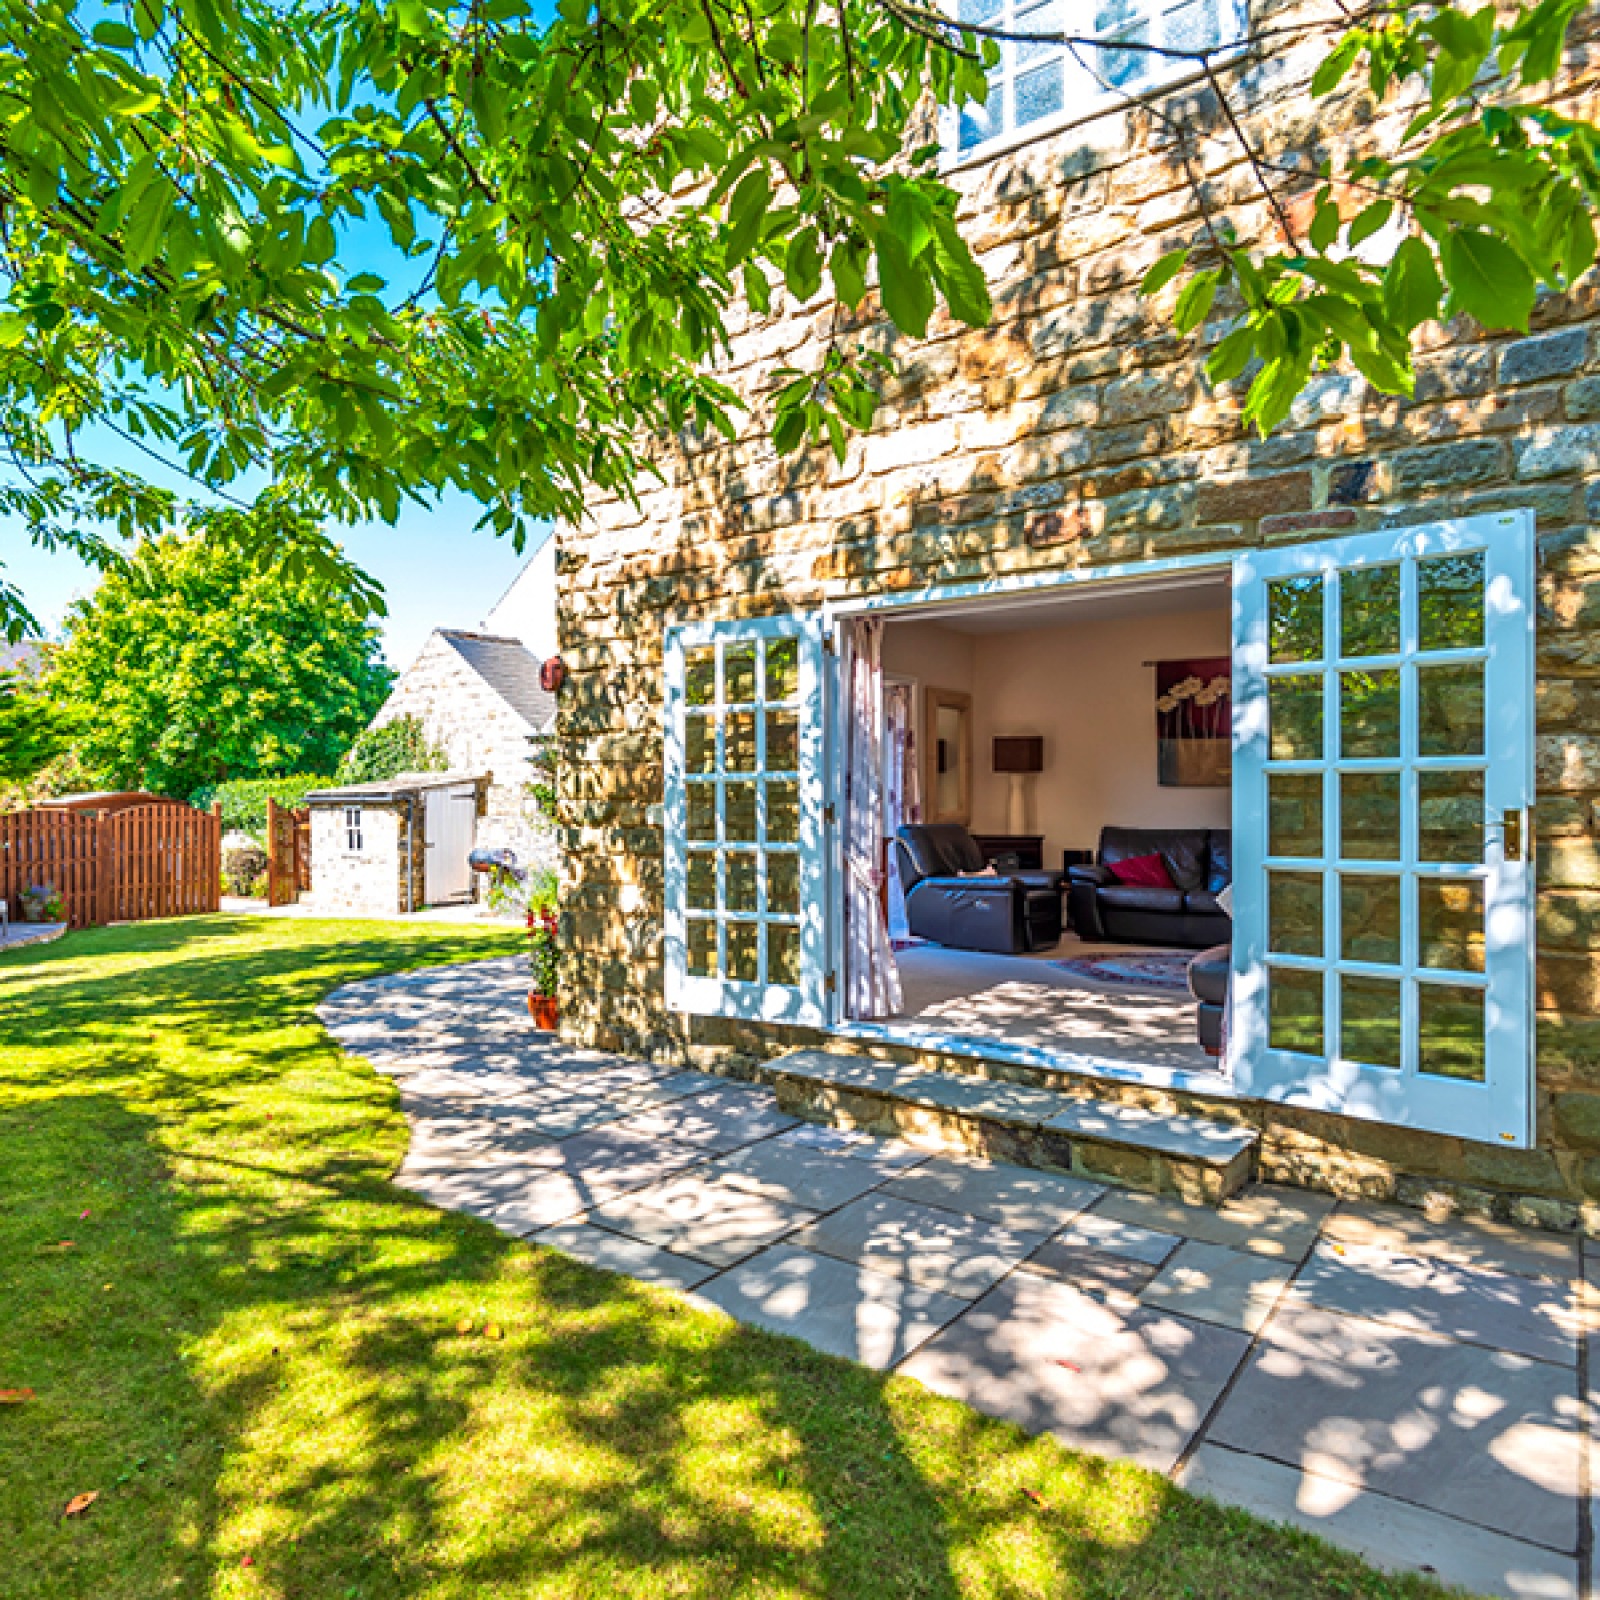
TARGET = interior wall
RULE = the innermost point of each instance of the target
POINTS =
(1086, 687)
(935, 656)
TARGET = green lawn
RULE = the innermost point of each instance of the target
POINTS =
(252, 1350)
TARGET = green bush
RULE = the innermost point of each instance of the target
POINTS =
(244, 800)
(399, 746)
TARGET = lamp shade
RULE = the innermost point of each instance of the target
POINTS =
(1021, 754)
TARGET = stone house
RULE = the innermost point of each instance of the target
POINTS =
(1405, 595)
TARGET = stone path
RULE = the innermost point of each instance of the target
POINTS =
(1414, 1391)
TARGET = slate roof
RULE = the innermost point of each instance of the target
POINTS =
(509, 668)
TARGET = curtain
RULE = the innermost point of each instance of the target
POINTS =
(871, 979)
(902, 801)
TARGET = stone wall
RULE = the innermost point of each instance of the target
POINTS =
(1074, 432)
(368, 882)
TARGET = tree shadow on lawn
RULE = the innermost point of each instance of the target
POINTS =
(307, 1385)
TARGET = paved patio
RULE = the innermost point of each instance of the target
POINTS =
(1412, 1390)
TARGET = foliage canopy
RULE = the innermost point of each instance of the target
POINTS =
(399, 745)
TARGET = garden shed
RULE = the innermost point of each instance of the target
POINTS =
(396, 845)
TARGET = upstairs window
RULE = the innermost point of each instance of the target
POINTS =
(1035, 86)
(352, 829)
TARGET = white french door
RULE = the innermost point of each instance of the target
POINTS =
(1383, 775)
(745, 929)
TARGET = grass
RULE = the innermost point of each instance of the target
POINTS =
(252, 1348)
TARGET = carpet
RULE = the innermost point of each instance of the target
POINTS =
(1167, 970)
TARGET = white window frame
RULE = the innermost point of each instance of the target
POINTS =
(1167, 74)
(353, 839)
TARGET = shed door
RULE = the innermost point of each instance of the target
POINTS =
(1383, 772)
(451, 815)
(745, 904)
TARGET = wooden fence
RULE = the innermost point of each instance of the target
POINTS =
(160, 860)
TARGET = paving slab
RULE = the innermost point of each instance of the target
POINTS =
(1268, 1221)
(1482, 1435)
(1535, 1317)
(1190, 1138)
(1526, 1252)
(938, 1249)
(519, 1199)
(845, 1309)
(602, 1248)
(1134, 1383)
(797, 1175)
(565, 1119)
(1215, 1284)
(1094, 1231)
(855, 1144)
(702, 1217)
(1388, 1533)
(1094, 1271)
(719, 1122)
(1015, 1197)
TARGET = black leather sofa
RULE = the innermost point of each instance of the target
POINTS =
(1007, 913)
(1208, 983)
(1200, 863)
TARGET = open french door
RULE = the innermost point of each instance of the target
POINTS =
(745, 930)
(1383, 778)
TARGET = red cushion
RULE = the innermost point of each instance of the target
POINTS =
(1150, 872)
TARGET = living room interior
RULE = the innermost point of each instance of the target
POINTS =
(1057, 812)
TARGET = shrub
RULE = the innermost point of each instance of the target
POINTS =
(244, 800)
(399, 746)
(244, 870)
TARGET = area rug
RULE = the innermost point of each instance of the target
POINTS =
(1135, 969)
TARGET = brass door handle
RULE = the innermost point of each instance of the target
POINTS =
(1511, 835)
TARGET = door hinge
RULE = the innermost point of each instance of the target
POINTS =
(828, 644)
(829, 816)
(829, 984)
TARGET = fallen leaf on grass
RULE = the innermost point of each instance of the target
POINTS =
(1035, 1496)
(14, 1397)
(80, 1503)
(464, 1326)
(65, 1244)
(491, 1331)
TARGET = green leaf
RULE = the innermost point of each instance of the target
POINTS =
(958, 275)
(1324, 227)
(1487, 279)
(756, 289)
(802, 267)
(1411, 286)
(1331, 73)
(849, 268)
(1195, 301)
(905, 284)
(1164, 271)
(142, 232)
(1370, 221)
(115, 35)
(746, 212)
(1232, 355)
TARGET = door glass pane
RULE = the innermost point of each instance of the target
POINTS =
(1450, 602)
(1369, 918)
(1294, 813)
(1294, 1010)
(1450, 816)
(1369, 714)
(744, 951)
(700, 744)
(1452, 1031)
(1369, 1023)
(783, 741)
(1294, 706)
(783, 883)
(783, 953)
(1294, 913)
(702, 880)
(739, 675)
(783, 812)
(702, 948)
(700, 669)
(783, 669)
(1369, 612)
(702, 811)
(740, 816)
(1294, 613)
(1450, 710)
(1369, 816)
(741, 892)
(739, 742)
(1450, 923)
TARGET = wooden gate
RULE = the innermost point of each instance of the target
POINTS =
(162, 860)
(288, 853)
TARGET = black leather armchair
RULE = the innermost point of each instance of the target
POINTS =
(1208, 983)
(1200, 864)
(1006, 913)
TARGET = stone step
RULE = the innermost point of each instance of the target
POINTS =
(1194, 1157)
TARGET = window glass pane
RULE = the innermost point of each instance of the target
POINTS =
(1369, 816)
(1450, 602)
(980, 123)
(739, 818)
(1294, 707)
(744, 951)
(1369, 918)
(1294, 913)
(783, 812)
(1039, 93)
(1294, 1010)
(1450, 923)
(702, 880)
(783, 741)
(700, 668)
(1450, 816)
(1294, 813)
(739, 675)
(741, 892)
(1116, 21)
(1369, 714)
(1369, 1021)
(783, 953)
(783, 883)
(702, 948)
(1195, 26)
(1452, 1031)
(1450, 710)
(739, 742)
(1369, 612)
(978, 10)
(702, 811)
(1294, 618)
(1046, 19)
(783, 669)
(700, 743)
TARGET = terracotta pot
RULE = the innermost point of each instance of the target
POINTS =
(544, 1011)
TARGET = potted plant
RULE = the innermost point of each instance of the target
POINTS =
(544, 950)
(42, 903)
